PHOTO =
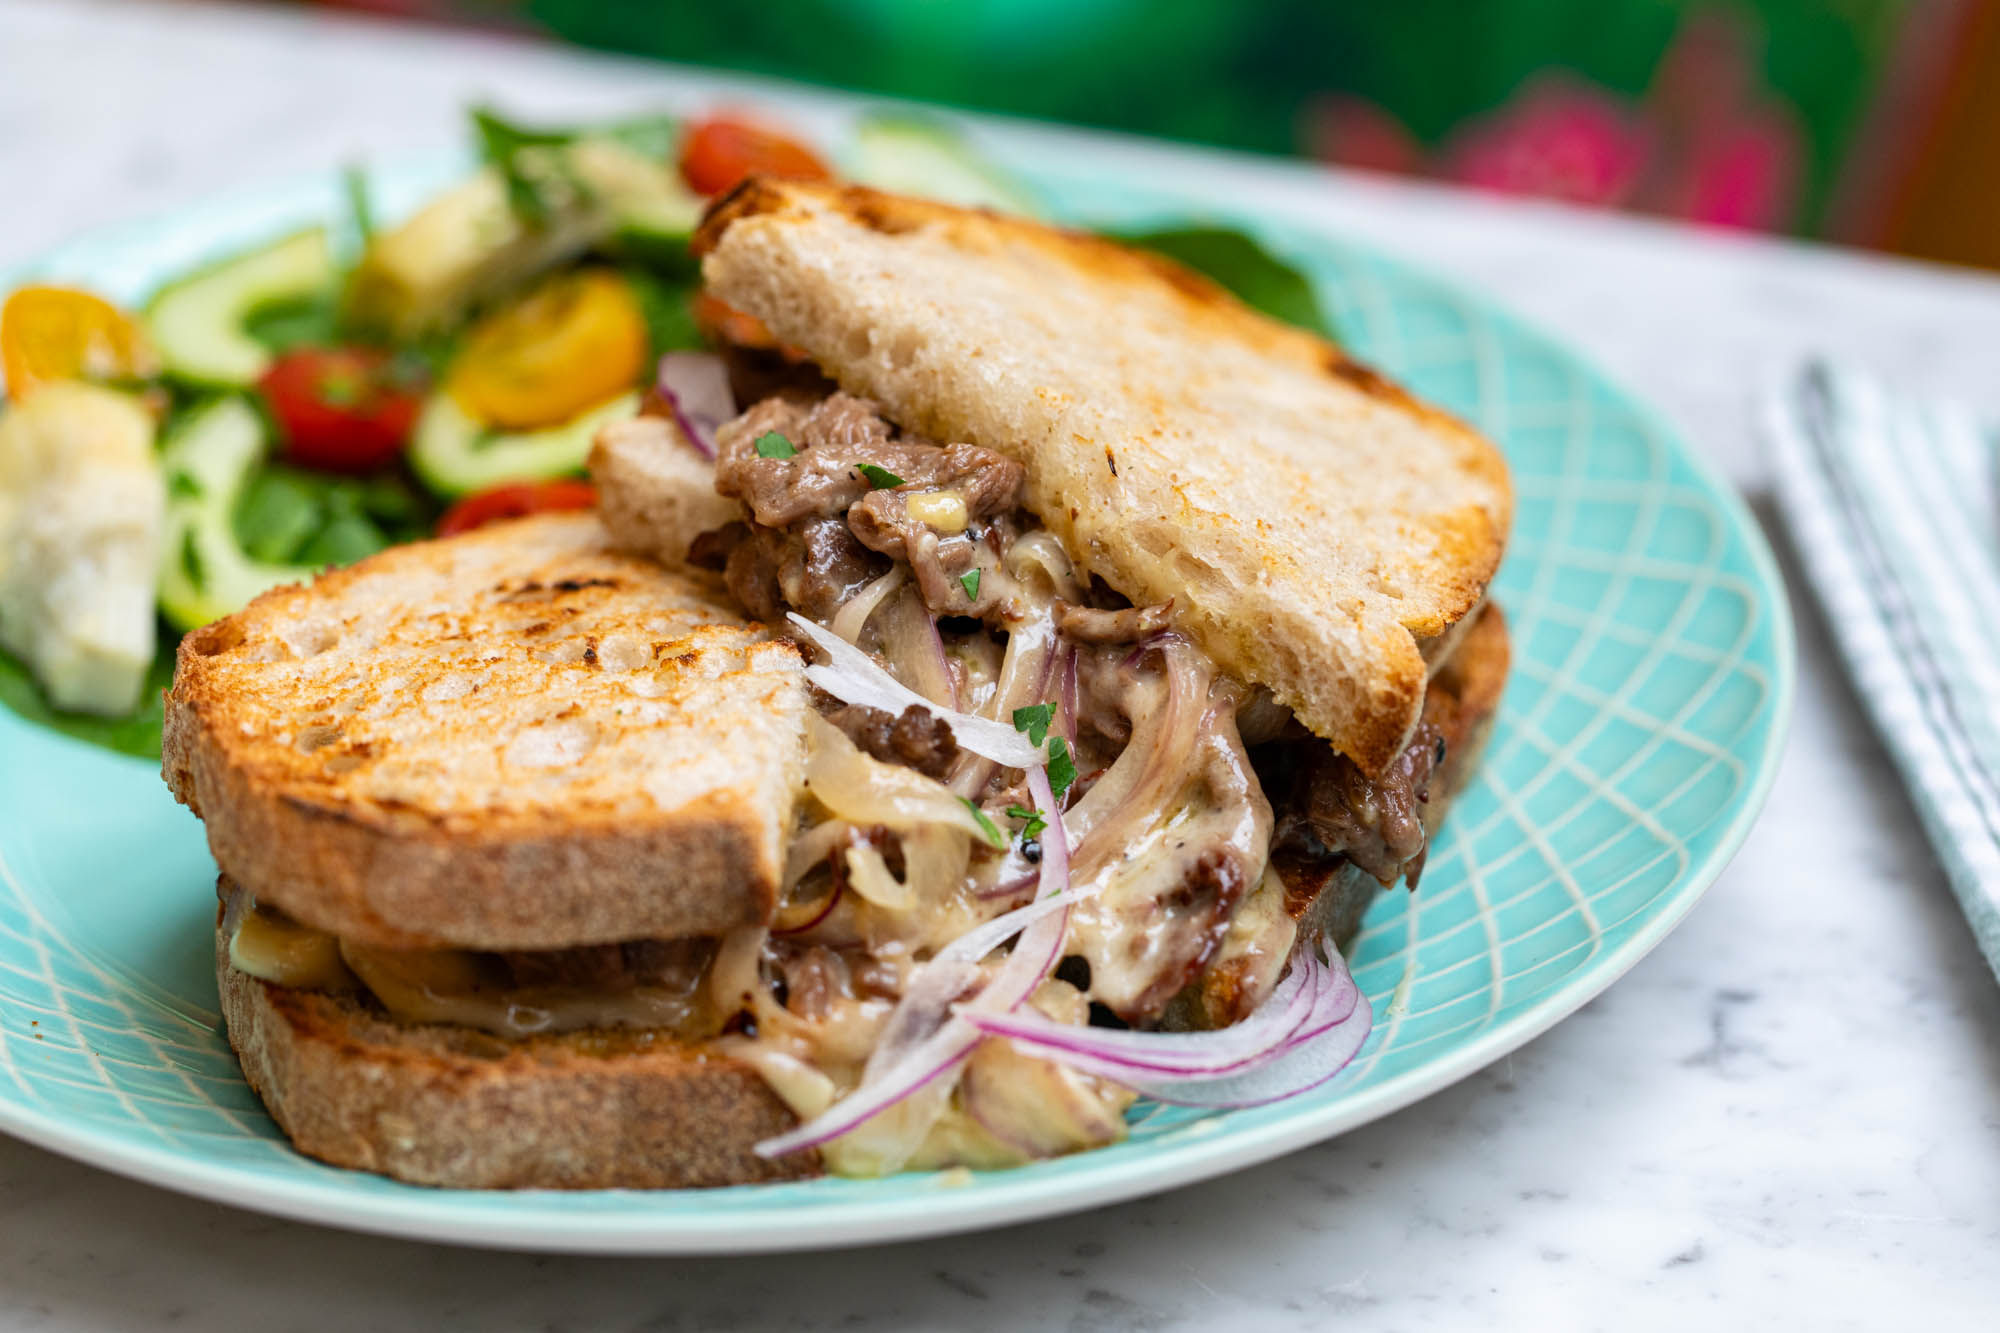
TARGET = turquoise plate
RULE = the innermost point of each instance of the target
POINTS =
(1637, 739)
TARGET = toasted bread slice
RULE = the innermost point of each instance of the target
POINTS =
(434, 1104)
(512, 739)
(655, 493)
(1462, 702)
(1310, 521)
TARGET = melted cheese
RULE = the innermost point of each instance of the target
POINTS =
(450, 985)
(279, 950)
(942, 510)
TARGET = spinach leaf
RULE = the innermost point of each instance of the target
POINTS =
(314, 322)
(534, 181)
(539, 181)
(289, 516)
(1238, 262)
(668, 309)
(136, 734)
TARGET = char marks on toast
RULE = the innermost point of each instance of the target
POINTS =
(1310, 521)
(515, 739)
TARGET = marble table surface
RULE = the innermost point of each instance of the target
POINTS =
(1788, 1115)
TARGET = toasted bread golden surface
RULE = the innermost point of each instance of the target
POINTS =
(1310, 521)
(511, 739)
(451, 1106)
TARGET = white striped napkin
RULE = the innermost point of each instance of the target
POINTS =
(1895, 509)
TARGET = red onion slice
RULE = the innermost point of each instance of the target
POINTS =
(924, 1039)
(1305, 1032)
(854, 677)
(1262, 1036)
(696, 388)
(1302, 1068)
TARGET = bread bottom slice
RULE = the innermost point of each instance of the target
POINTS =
(433, 1104)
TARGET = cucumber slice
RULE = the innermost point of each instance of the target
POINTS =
(199, 324)
(204, 571)
(655, 233)
(911, 155)
(456, 455)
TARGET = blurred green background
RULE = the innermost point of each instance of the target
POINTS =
(1872, 122)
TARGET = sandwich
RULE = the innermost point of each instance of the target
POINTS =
(989, 693)
(482, 807)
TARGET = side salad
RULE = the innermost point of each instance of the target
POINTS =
(315, 398)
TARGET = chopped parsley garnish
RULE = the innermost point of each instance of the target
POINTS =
(1034, 822)
(1034, 719)
(987, 828)
(1062, 768)
(880, 478)
(773, 445)
(970, 582)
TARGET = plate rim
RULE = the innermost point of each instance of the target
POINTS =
(462, 1217)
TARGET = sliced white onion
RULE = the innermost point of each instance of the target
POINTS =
(1021, 682)
(852, 617)
(854, 677)
(863, 790)
(696, 387)
(912, 644)
(868, 875)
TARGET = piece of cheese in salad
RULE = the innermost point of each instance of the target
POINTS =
(81, 505)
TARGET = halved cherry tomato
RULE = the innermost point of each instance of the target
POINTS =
(719, 152)
(340, 409)
(721, 322)
(515, 500)
(60, 333)
(569, 344)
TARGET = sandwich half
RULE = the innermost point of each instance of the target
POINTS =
(1034, 475)
(484, 808)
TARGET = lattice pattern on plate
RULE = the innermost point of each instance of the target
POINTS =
(1652, 661)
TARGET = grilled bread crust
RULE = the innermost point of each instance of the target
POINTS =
(511, 739)
(434, 1104)
(1309, 520)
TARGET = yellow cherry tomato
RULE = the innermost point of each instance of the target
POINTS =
(58, 333)
(569, 344)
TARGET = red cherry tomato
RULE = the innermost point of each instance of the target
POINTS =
(515, 500)
(724, 325)
(720, 151)
(340, 409)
